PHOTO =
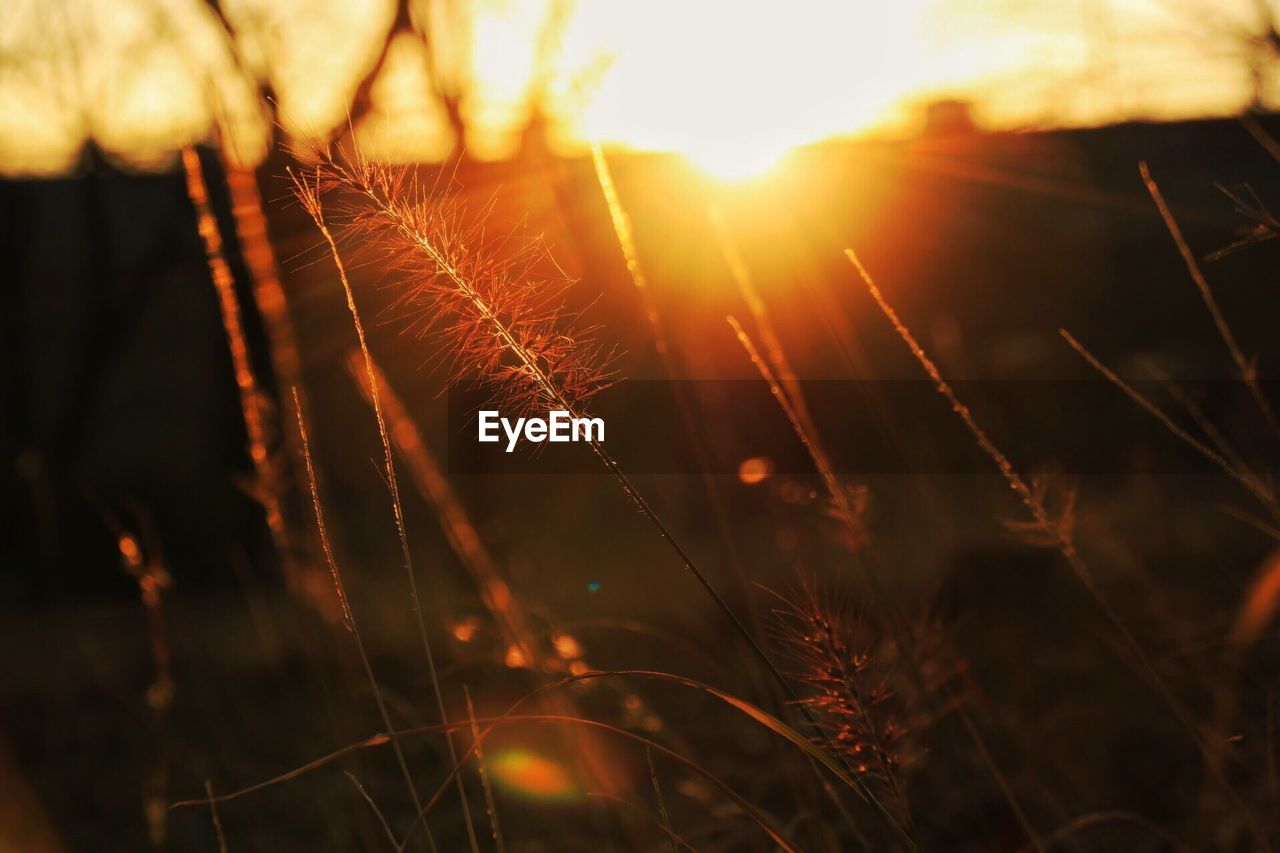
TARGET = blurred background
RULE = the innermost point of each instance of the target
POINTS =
(166, 616)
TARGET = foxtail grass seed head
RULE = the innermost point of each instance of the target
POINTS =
(487, 297)
(849, 693)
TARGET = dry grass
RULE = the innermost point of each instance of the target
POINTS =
(864, 684)
(253, 401)
(1058, 535)
(310, 197)
(497, 320)
(349, 619)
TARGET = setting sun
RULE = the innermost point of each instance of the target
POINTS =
(772, 81)
(731, 85)
(735, 164)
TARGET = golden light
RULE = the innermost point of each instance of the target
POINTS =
(567, 646)
(755, 470)
(736, 164)
(731, 84)
(735, 85)
(515, 657)
(533, 776)
(465, 631)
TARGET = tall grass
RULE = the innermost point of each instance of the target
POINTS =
(309, 196)
(500, 324)
(861, 677)
(1059, 536)
(348, 618)
(775, 369)
(253, 400)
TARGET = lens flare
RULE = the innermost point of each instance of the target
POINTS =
(755, 470)
(533, 776)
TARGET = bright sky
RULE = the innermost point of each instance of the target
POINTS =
(731, 83)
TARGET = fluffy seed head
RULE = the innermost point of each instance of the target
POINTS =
(486, 296)
(849, 691)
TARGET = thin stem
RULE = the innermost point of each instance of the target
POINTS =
(626, 241)
(348, 617)
(1247, 369)
(1256, 488)
(773, 349)
(659, 800)
(1127, 642)
(724, 607)
(382, 819)
(251, 396)
(311, 200)
(897, 625)
(213, 815)
(491, 723)
(803, 428)
(554, 395)
(484, 774)
(671, 364)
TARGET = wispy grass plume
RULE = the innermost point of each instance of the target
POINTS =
(479, 294)
(310, 196)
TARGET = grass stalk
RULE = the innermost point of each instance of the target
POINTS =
(348, 618)
(213, 815)
(377, 812)
(1126, 642)
(489, 804)
(663, 818)
(153, 579)
(772, 344)
(803, 427)
(625, 235)
(1247, 369)
(312, 202)
(626, 241)
(252, 397)
(510, 613)
(499, 331)
(900, 629)
(1234, 470)
(491, 723)
(425, 472)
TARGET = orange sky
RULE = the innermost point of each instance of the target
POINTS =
(731, 83)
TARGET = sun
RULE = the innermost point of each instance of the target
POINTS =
(734, 86)
(735, 164)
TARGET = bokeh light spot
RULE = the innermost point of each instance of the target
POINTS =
(755, 470)
(536, 777)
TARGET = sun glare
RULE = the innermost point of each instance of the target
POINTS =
(737, 85)
(731, 84)
(736, 164)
